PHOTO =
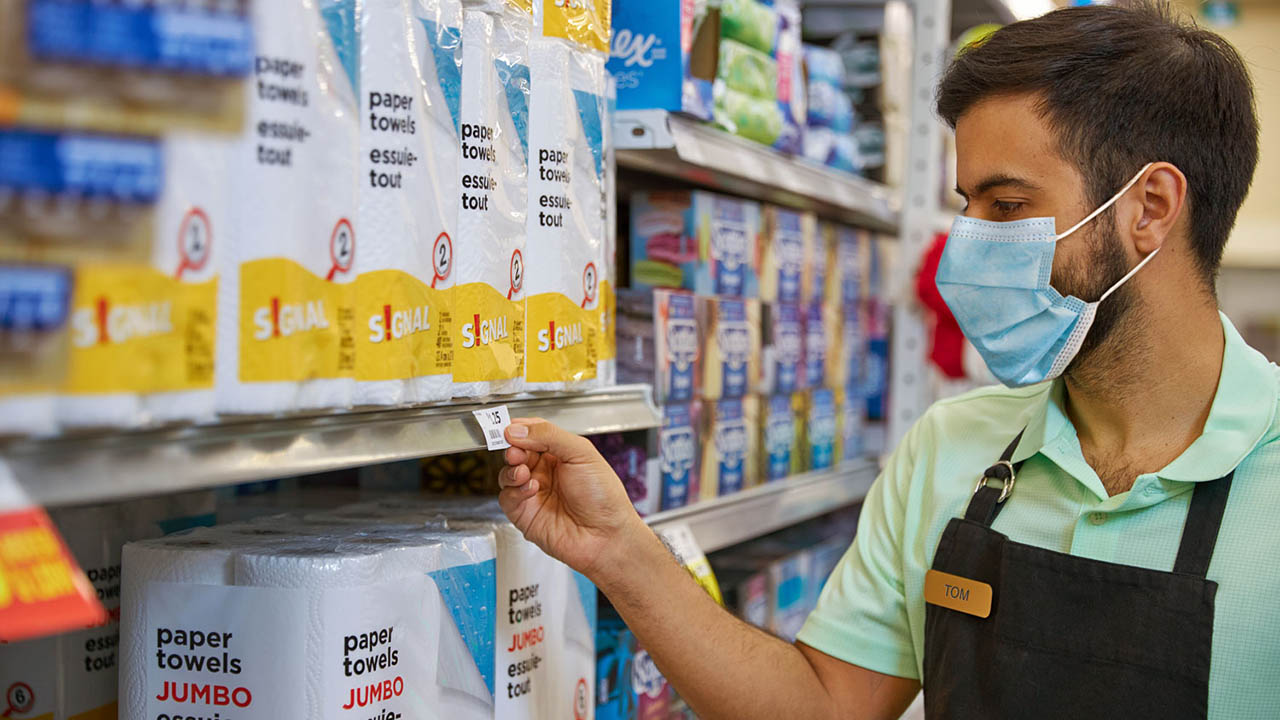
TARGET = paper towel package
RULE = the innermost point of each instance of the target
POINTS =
(787, 249)
(565, 223)
(730, 346)
(607, 364)
(489, 299)
(695, 240)
(679, 453)
(286, 321)
(729, 459)
(410, 89)
(782, 333)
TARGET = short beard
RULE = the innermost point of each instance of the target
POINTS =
(1115, 323)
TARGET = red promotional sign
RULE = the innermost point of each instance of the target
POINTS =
(42, 589)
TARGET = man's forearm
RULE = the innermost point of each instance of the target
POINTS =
(722, 666)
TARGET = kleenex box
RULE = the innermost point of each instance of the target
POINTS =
(664, 56)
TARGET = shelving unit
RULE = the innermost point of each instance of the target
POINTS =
(670, 145)
(749, 514)
(120, 465)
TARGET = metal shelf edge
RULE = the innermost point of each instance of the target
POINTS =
(761, 510)
(121, 465)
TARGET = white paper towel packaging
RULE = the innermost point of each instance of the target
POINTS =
(410, 85)
(489, 299)
(285, 317)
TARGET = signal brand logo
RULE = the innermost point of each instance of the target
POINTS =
(105, 324)
(280, 319)
(559, 338)
(483, 332)
(397, 324)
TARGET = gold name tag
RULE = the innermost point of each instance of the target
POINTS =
(956, 593)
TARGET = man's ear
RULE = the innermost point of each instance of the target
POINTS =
(1155, 207)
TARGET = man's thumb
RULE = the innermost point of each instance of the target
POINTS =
(547, 437)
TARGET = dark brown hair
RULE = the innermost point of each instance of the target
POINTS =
(1122, 86)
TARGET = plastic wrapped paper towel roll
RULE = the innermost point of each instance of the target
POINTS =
(410, 68)
(285, 318)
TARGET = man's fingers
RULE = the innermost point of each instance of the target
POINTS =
(538, 435)
(510, 499)
(520, 456)
(514, 476)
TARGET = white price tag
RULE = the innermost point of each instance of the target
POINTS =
(493, 423)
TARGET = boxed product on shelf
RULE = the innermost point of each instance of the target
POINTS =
(664, 55)
(410, 67)
(488, 342)
(659, 343)
(731, 346)
(694, 240)
(845, 366)
(633, 457)
(788, 247)
(784, 564)
(286, 323)
(851, 412)
(821, 429)
(629, 685)
(679, 454)
(819, 335)
(745, 69)
(778, 438)
(875, 327)
(782, 359)
(730, 460)
(844, 264)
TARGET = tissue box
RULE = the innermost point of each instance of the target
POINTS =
(820, 429)
(788, 247)
(729, 461)
(632, 455)
(778, 439)
(844, 264)
(694, 240)
(850, 408)
(678, 453)
(629, 684)
(730, 346)
(819, 329)
(664, 56)
(782, 334)
(658, 343)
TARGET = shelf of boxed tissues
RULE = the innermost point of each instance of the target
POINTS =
(758, 511)
(675, 146)
(111, 466)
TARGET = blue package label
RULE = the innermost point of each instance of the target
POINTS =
(587, 594)
(469, 592)
(98, 166)
(446, 51)
(822, 429)
(591, 115)
(788, 347)
(731, 445)
(340, 20)
(779, 435)
(875, 370)
(733, 338)
(815, 346)
(681, 347)
(730, 246)
(34, 298)
(515, 85)
(677, 449)
(648, 60)
(169, 38)
(788, 245)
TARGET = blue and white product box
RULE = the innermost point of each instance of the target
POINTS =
(852, 349)
(821, 429)
(125, 170)
(779, 437)
(851, 407)
(726, 452)
(678, 454)
(788, 247)
(731, 346)
(694, 240)
(783, 338)
(652, 49)
(677, 343)
(845, 277)
(875, 373)
(815, 346)
(788, 595)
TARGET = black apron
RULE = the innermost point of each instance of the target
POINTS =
(1071, 637)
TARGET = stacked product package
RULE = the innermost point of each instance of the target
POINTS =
(397, 607)
(828, 139)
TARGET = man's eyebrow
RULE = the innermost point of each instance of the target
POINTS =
(996, 181)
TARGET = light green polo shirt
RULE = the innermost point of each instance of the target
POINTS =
(872, 611)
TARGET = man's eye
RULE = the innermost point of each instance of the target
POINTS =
(1005, 207)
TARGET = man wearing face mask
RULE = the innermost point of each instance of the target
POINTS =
(1118, 555)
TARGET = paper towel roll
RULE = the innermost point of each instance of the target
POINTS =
(284, 315)
(410, 58)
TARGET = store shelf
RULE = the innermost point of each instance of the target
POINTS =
(94, 468)
(761, 510)
(662, 143)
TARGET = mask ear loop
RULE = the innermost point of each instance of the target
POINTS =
(1105, 205)
(1128, 275)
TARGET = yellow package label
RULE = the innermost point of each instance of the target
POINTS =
(585, 22)
(106, 712)
(137, 330)
(608, 318)
(404, 327)
(525, 6)
(563, 338)
(488, 334)
(294, 326)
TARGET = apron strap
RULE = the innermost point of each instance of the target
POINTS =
(987, 501)
(1204, 518)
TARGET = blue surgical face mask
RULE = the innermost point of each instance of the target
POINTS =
(994, 276)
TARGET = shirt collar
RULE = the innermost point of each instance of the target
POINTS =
(1243, 410)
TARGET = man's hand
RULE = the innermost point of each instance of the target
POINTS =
(564, 497)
